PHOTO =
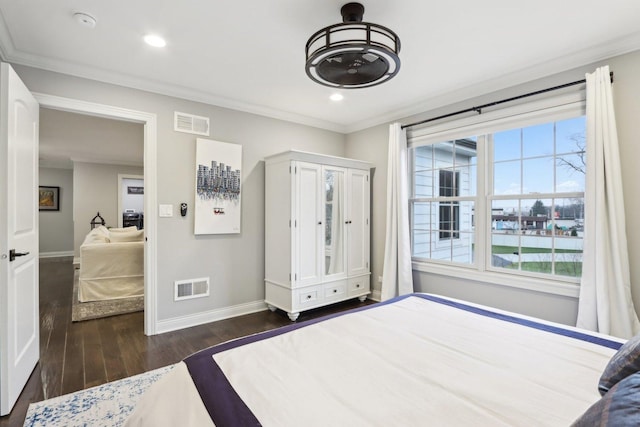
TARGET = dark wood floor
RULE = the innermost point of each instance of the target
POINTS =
(75, 356)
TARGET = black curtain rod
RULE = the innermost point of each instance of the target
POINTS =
(479, 108)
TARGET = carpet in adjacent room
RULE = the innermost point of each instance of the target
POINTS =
(95, 309)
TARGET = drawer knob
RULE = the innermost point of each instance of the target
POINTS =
(335, 290)
(358, 285)
(308, 296)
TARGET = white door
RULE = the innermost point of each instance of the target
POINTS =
(19, 324)
(307, 224)
(358, 222)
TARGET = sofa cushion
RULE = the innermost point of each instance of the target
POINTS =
(134, 235)
(99, 234)
(119, 230)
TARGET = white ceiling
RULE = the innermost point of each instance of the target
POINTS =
(249, 55)
(69, 137)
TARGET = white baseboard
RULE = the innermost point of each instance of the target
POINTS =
(188, 321)
(58, 254)
(376, 295)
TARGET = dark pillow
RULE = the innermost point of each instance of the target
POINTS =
(619, 407)
(624, 363)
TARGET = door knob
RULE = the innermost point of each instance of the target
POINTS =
(13, 254)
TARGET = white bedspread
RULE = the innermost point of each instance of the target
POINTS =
(411, 363)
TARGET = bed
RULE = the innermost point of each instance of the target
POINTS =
(415, 360)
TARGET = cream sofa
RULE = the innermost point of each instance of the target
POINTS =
(111, 264)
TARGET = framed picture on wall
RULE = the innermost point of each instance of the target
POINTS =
(135, 190)
(218, 193)
(49, 198)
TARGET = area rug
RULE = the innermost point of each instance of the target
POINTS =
(96, 309)
(106, 405)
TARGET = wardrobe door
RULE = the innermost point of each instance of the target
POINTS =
(307, 224)
(334, 223)
(358, 222)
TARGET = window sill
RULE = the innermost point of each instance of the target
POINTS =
(509, 280)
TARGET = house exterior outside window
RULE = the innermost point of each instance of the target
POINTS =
(441, 219)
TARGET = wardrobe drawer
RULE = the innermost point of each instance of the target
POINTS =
(359, 286)
(335, 291)
(307, 297)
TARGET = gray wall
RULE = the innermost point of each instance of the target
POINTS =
(372, 144)
(96, 190)
(235, 263)
(56, 227)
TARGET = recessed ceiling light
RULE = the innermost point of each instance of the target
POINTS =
(155, 41)
(336, 97)
(85, 19)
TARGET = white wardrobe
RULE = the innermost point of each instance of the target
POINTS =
(317, 230)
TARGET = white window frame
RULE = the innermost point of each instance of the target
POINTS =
(552, 108)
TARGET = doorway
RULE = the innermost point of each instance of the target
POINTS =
(149, 122)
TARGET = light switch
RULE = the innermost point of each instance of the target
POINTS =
(165, 211)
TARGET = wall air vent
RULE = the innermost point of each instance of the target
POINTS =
(192, 288)
(188, 123)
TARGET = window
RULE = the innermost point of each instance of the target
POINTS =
(507, 199)
(444, 176)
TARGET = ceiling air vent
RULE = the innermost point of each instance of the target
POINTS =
(188, 123)
(192, 288)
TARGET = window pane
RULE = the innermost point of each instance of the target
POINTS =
(446, 183)
(443, 154)
(537, 140)
(571, 210)
(466, 219)
(437, 234)
(422, 225)
(570, 135)
(506, 145)
(537, 175)
(570, 173)
(468, 179)
(466, 166)
(506, 178)
(423, 171)
(504, 251)
(449, 220)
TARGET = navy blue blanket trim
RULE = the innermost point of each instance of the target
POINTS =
(227, 409)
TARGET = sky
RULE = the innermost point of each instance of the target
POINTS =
(521, 154)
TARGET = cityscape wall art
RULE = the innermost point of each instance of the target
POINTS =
(218, 187)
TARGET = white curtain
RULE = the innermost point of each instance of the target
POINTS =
(605, 292)
(397, 276)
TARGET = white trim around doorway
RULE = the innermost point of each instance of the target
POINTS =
(149, 120)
